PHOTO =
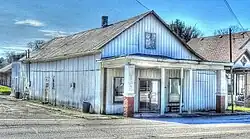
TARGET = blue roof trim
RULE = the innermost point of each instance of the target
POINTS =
(149, 55)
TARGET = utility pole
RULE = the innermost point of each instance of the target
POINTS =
(231, 69)
(29, 67)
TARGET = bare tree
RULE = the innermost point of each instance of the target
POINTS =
(184, 31)
(35, 45)
(2, 62)
(12, 56)
(224, 31)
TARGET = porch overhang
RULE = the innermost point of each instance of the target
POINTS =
(149, 62)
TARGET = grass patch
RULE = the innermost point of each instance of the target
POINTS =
(5, 89)
(240, 108)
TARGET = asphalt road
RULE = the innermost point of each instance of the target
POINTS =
(20, 120)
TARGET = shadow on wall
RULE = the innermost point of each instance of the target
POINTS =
(70, 103)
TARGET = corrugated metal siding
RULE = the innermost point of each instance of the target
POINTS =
(5, 79)
(149, 73)
(203, 91)
(16, 77)
(113, 108)
(132, 41)
(83, 71)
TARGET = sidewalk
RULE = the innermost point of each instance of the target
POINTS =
(65, 111)
(186, 115)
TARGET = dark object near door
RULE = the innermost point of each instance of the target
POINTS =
(17, 95)
(85, 107)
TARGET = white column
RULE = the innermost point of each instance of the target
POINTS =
(221, 91)
(181, 90)
(190, 90)
(129, 90)
(163, 90)
(129, 80)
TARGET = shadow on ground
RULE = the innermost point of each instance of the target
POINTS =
(206, 120)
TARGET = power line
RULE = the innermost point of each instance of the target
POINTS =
(142, 5)
(234, 15)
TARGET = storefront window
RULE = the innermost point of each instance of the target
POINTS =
(229, 84)
(240, 84)
(118, 89)
(174, 92)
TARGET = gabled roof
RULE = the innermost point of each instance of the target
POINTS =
(216, 48)
(5, 69)
(246, 53)
(90, 41)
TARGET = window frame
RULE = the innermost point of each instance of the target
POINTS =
(169, 89)
(114, 101)
(145, 40)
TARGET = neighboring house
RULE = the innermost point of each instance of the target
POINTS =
(17, 84)
(132, 66)
(216, 48)
(5, 75)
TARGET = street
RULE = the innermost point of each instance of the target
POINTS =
(21, 120)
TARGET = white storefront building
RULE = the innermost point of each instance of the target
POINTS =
(132, 66)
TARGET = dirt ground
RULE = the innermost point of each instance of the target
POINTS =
(22, 110)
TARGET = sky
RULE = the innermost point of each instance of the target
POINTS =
(22, 21)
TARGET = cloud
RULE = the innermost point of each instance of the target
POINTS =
(54, 33)
(30, 22)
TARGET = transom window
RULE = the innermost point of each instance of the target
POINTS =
(118, 89)
(150, 40)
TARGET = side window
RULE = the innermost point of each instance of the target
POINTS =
(150, 40)
(118, 89)
(174, 90)
(229, 86)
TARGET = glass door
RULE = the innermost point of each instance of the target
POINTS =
(149, 95)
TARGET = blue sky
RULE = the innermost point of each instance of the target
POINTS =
(22, 21)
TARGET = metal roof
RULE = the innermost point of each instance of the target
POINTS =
(89, 42)
(5, 69)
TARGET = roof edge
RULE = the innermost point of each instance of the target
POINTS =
(61, 57)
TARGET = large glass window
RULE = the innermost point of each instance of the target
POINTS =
(174, 90)
(240, 84)
(229, 83)
(240, 87)
(118, 89)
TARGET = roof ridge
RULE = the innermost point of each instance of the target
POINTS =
(109, 24)
(222, 35)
